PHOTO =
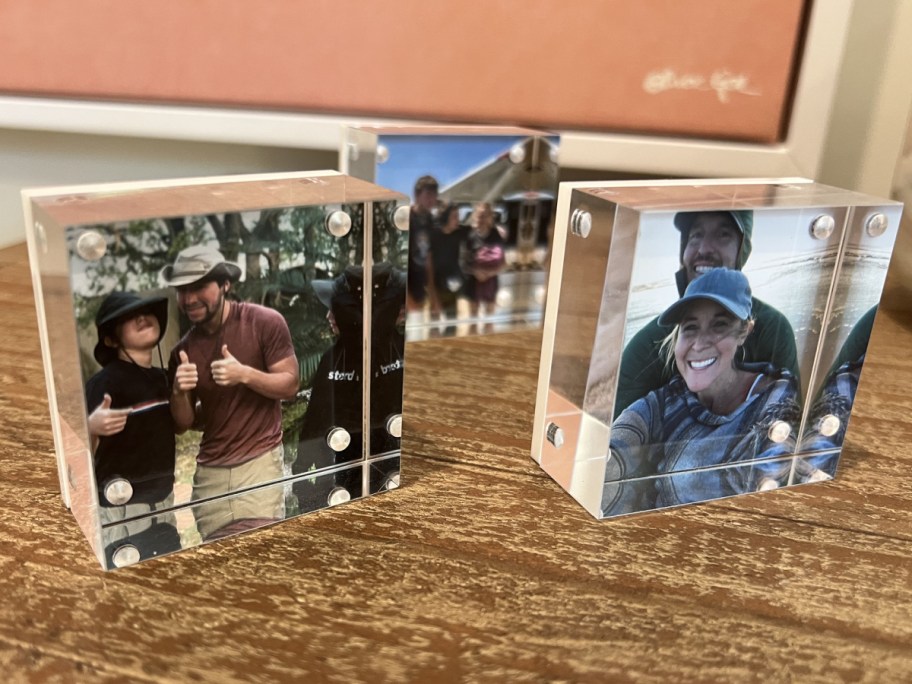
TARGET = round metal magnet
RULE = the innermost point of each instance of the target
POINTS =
(829, 425)
(394, 425)
(401, 217)
(91, 245)
(822, 227)
(391, 481)
(555, 435)
(581, 223)
(338, 223)
(779, 431)
(338, 439)
(876, 225)
(125, 555)
(338, 495)
(118, 491)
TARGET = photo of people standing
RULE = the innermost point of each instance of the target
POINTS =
(214, 419)
(229, 373)
(479, 239)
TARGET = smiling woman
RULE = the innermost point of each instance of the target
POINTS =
(674, 446)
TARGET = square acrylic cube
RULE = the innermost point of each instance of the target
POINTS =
(220, 353)
(704, 339)
(473, 268)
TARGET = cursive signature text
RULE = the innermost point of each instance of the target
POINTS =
(722, 81)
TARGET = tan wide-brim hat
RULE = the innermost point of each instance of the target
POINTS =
(198, 263)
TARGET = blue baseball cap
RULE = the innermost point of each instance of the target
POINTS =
(726, 287)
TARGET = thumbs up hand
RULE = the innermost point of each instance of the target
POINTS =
(228, 371)
(186, 376)
(105, 421)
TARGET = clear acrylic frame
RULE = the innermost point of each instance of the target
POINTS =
(658, 390)
(308, 246)
(515, 170)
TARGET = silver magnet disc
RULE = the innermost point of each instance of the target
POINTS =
(338, 439)
(518, 153)
(401, 217)
(383, 154)
(391, 482)
(829, 425)
(394, 425)
(338, 495)
(818, 476)
(125, 555)
(338, 223)
(768, 484)
(822, 227)
(555, 435)
(118, 491)
(779, 431)
(876, 225)
(91, 246)
(581, 223)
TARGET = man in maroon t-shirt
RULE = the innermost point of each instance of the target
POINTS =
(230, 373)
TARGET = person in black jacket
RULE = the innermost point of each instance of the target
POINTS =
(130, 423)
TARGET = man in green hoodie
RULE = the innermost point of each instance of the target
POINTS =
(709, 239)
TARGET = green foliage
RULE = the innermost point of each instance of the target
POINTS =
(136, 253)
(283, 251)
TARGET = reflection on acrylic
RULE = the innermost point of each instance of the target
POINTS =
(666, 490)
(480, 221)
(155, 535)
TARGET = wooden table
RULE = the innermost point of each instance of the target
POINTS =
(479, 567)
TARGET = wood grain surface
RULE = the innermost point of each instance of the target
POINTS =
(479, 568)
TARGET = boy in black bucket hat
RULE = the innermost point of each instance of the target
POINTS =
(130, 423)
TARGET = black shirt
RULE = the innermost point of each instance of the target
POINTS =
(143, 452)
(446, 255)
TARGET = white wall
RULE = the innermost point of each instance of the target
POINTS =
(873, 99)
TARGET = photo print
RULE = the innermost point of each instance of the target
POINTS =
(481, 220)
(726, 346)
(222, 362)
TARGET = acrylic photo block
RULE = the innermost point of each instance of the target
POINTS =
(220, 353)
(474, 269)
(704, 339)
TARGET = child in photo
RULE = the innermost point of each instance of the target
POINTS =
(130, 423)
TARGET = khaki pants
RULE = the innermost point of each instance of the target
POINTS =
(264, 504)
